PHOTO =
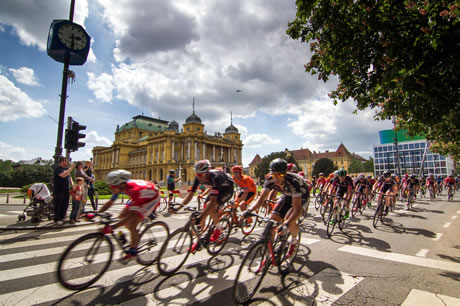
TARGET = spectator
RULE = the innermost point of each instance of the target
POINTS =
(77, 193)
(81, 173)
(171, 181)
(89, 172)
(61, 186)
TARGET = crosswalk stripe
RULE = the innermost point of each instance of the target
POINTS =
(40, 234)
(407, 259)
(324, 288)
(419, 297)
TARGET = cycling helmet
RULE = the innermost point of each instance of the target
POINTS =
(336, 172)
(406, 175)
(451, 175)
(431, 175)
(413, 176)
(291, 167)
(117, 177)
(302, 174)
(331, 175)
(172, 171)
(202, 166)
(341, 172)
(369, 177)
(237, 169)
(278, 165)
(321, 174)
(361, 176)
(387, 174)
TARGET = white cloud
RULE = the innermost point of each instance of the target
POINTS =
(25, 76)
(259, 140)
(7, 152)
(15, 104)
(92, 139)
(102, 86)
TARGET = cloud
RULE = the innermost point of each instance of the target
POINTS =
(259, 140)
(15, 104)
(93, 139)
(25, 76)
(7, 151)
(31, 19)
(102, 86)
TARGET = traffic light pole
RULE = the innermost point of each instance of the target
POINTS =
(58, 150)
(69, 126)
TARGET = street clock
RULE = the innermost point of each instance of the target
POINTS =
(66, 38)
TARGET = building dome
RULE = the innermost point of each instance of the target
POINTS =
(193, 119)
(231, 129)
(173, 126)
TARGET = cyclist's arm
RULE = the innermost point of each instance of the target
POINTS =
(244, 196)
(297, 209)
(188, 197)
(260, 200)
(109, 203)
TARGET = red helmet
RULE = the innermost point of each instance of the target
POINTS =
(237, 169)
(301, 173)
(291, 167)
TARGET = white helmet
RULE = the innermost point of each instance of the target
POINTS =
(202, 166)
(117, 177)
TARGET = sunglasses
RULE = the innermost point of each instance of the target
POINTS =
(200, 174)
(278, 175)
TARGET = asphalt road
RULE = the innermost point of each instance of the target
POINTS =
(414, 259)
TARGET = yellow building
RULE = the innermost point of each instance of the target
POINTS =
(306, 159)
(150, 147)
(253, 165)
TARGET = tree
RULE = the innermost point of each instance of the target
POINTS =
(262, 168)
(324, 165)
(368, 165)
(355, 167)
(397, 57)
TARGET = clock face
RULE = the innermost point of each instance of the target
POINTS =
(72, 36)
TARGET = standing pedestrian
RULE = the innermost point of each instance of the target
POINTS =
(81, 173)
(89, 172)
(171, 181)
(77, 193)
(61, 186)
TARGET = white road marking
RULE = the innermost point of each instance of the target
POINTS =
(438, 236)
(447, 224)
(422, 253)
(454, 217)
(325, 288)
(40, 233)
(407, 259)
(419, 297)
(458, 211)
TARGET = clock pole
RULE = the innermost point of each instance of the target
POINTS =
(58, 151)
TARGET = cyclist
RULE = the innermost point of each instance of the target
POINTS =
(439, 182)
(413, 185)
(221, 185)
(431, 183)
(171, 181)
(294, 192)
(362, 186)
(403, 185)
(344, 185)
(451, 184)
(248, 189)
(320, 183)
(387, 186)
(144, 198)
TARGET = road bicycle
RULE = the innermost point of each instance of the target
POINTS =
(336, 216)
(266, 209)
(271, 249)
(304, 212)
(325, 209)
(380, 210)
(319, 199)
(230, 211)
(179, 242)
(450, 193)
(432, 196)
(86, 259)
(358, 205)
(410, 199)
(422, 191)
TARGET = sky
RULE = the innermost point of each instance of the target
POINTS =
(152, 57)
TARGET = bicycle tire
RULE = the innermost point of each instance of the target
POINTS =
(330, 227)
(246, 228)
(378, 214)
(163, 205)
(355, 207)
(215, 247)
(341, 219)
(76, 277)
(207, 223)
(151, 242)
(251, 272)
(178, 243)
(318, 201)
(285, 263)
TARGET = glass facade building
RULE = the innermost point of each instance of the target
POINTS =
(411, 151)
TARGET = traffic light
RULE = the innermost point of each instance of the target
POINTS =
(76, 127)
(73, 135)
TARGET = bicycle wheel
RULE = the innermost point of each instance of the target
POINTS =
(356, 206)
(207, 223)
(151, 242)
(332, 218)
(318, 201)
(248, 225)
(251, 272)
(341, 219)
(163, 205)
(85, 261)
(215, 247)
(174, 252)
(378, 214)
(286, 261)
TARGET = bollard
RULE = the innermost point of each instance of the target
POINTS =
(25, 195)
(7, 198)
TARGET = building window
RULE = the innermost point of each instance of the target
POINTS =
(417, 145)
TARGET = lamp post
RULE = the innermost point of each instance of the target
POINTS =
(396, 146)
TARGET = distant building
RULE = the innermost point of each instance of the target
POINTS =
(253, 165)
(306, 159)
(150, 147)
(35, 161)
(411, 151)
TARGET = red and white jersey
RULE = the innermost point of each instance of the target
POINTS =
(141, 192)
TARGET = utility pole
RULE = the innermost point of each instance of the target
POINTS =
(58, 151)
(396, 146)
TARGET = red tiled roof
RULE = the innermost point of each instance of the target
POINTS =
(342, 151)
(256, 160)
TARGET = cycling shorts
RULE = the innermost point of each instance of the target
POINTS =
(223, 196)
(145, 209)
(249, 198)
(284, 204)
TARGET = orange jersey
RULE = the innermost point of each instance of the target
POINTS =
(246, 183)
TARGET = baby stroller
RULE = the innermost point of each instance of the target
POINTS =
(40, 205)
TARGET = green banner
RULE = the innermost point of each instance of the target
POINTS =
(387, 136)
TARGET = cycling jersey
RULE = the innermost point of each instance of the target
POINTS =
(342, 187)
(450, 181)
(321, 181)
(221, 185)
(430, 181)
(412, 183)
(384, 185)
(360, 186)
(246, 183)
(144, 197)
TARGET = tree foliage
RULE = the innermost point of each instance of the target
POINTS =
(324, 165)
(262, 168)
(356, 166)
(397, 57)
